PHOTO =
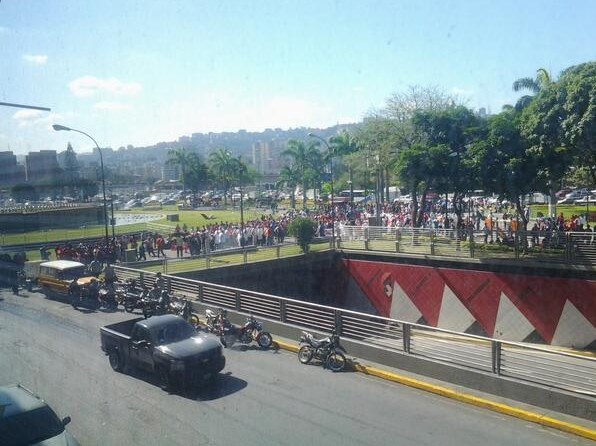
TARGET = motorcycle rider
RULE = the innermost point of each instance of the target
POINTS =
(93, 289)
(164, 302)
(160, 282)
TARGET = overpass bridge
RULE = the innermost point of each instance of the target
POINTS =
(559, 380)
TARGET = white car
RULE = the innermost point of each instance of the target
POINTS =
(26, 419)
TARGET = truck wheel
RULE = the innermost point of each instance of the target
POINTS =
(116, 361)
(165, 381)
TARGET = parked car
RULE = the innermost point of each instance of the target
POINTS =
(55, 277)
(26, 419)
(167, 346)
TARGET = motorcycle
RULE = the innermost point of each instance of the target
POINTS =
(252, 330)
(183, 308)
(128, 296)
(83, 298)
(218, 324)
(327, 350)
(152, 306)
(107, 298)
(212, 320)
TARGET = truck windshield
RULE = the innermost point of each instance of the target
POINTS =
(172, 333)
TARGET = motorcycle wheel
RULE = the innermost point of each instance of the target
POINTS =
(336, 361)
(305, 354)
(264, 339)
(222, 339)
(129, 307)
(194, 320)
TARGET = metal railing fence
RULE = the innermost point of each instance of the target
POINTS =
(552, 246)
(541, 365)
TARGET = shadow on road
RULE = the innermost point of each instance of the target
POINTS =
(225, 384)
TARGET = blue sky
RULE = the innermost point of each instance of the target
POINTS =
(141, 72)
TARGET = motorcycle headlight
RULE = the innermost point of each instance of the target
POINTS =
(177, 366)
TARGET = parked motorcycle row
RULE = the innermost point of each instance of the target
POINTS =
(157, 301)
(327, 350)
(217, 322)
(131, 297)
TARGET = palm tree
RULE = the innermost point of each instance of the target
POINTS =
(222, 166)
(342, 145)
(543, 79)
(304, 158)
(180, 157)
(289, 177)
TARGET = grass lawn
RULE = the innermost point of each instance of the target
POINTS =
(567, 209)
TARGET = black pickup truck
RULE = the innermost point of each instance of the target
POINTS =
(166, 345)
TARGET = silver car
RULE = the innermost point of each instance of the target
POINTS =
(26, 419)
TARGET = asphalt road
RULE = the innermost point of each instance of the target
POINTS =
(262, 397)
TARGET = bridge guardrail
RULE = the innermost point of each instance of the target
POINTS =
(535, 364)
(540, 246)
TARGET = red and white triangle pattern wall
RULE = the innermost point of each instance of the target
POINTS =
(505, 306)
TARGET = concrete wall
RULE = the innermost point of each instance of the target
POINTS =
(318, 277)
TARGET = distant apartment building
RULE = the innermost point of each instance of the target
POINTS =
(170, 172)
(41, 166)
(267, 157)
(11, 172)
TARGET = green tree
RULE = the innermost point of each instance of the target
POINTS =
(304, 231)
(343, 146)
(223, 165)
(182, 158)
(576, 90)
(502, 162)
(289, 176)
(534, 86)
(456, 127)
(306, 158)
(420, 168)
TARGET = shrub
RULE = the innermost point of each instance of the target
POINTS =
(304, 231)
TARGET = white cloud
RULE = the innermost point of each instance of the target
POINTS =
(37, 59)
(32, 118)
(87, 86)
(111, 106)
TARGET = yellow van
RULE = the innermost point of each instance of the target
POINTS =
(55, 276)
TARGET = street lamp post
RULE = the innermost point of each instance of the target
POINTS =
(312, 135)
(58, 128)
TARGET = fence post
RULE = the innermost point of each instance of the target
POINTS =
(169, 284)
(496, 356)
(397, 239)
(278, 250)
(245, 256)
(282, 311)
(432, 243)
(200, 295)
(471, 241)
(406, 329)
(165, 265)
(142, 279)
(338, 321)
(238, 303)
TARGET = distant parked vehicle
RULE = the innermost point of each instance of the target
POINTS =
(26, 419)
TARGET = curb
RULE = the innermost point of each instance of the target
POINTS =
(465, 398)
